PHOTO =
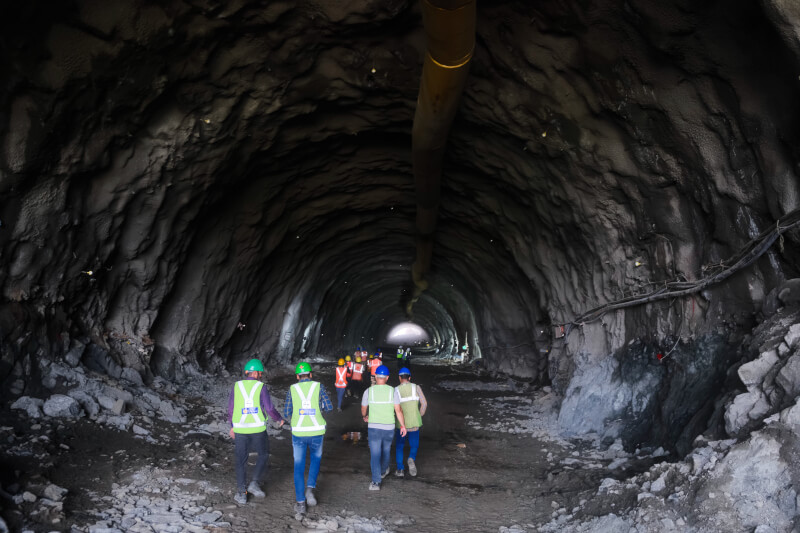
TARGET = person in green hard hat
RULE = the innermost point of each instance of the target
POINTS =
(248, 405)
(305, 401)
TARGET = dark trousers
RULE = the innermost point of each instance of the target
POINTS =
(244, 443)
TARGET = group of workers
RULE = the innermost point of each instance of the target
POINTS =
(388, 411)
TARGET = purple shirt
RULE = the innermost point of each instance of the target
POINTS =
(266, 404)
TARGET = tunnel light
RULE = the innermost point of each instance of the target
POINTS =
(491, 240)
(637, 263)
(544, 134)
(87, 272)
(373, 70)
(298, 236)
(207, 120)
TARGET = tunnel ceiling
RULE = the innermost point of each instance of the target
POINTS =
(202, 180)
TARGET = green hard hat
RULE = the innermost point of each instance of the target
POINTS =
(253, 365)
(302, 368)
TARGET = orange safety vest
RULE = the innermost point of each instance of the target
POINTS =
(349, 366)
(373, 365)
(341, 377)
(358, 368)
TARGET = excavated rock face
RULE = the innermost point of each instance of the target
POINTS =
(194, 182)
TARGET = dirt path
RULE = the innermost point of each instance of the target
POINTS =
(469, 479)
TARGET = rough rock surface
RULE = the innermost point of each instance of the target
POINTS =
(183, 185)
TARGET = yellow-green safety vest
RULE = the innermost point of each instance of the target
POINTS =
(381, 404)
(409, 403)
(248, 415)
(307, 418)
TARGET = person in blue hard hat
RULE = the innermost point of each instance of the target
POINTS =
(379, 407)
(248, 405)
(413, 405)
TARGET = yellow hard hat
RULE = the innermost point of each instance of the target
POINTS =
(347, 358)
(358, 359)
(371, 356)
(341, 361)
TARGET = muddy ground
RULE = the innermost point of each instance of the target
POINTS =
(469, 479)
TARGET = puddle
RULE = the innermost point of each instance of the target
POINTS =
(353, 437)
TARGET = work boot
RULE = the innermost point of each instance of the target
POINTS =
(400, 473)
(374, 486)
(240, 498)
(385, 473)
(300, 508)
(255, 490)
(412, 468)
(310, 499)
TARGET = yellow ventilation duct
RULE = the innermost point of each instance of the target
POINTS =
(450, 29)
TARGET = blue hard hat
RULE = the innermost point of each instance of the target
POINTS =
(382, 370)
(404, 372)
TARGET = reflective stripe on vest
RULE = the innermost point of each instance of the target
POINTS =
(341, 377)
(248, 417)
(358, 369)
(374, 364)
(410, 405)
(305, 407)
(381, 404)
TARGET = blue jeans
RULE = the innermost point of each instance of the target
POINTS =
(299, 446)
(413, 440)
(339, 397)
(380, 451)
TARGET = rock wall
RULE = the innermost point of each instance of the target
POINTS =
(188, 184)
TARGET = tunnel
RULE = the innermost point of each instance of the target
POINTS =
(591, 210)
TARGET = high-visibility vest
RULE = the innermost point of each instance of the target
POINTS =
(373, 365)
(248, 415)
(399, 354)
(409, 403)
(341, 377)
(381, 404)
(349, 366)
(358, 369)
(307, 418)
(364, 356)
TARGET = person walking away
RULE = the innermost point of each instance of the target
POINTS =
(413, 405)
(406, 358)
(379, 406)
(248, 403)
(373, 365)
(349, 364)
(400, 354)
(358, 374)
(305, 401)
(340, 383)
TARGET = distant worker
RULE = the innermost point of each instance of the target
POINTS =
(414, 405)
(349, 365)
(341, 375)
(407, 357)
(379, 355)
(304, 404)
(364, 355)
(382, 405)
(358, 375)
(400, 354)
(248, 402)
(374, 363)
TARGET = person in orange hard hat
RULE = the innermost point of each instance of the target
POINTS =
(341, 375)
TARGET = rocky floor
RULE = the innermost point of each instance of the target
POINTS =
(490, 460)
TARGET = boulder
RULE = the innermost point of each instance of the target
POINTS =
(792, 336)
(789, 377)
(87, 402)
(132, 376)
(789, 292)
(745, 408)
(59, 405)
(73, 356)
(171, 413)
(54, 492)
(752, 373)
(32, 406)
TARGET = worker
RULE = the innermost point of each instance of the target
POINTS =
(377, 411)
(364, 354)
(406, 357)
(378, 354)
(349, 364)
(305, 401)
(248, 402)
(400, 354)
(358, 375)
(414, 405)
(374, 363)
(340, 383)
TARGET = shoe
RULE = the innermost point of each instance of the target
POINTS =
(300, 508)
(412, 468)
(385, 473)
(374, 486)
(255, 490)
(400, 473)
(240, 498)
(339, 409)
(310, 499)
